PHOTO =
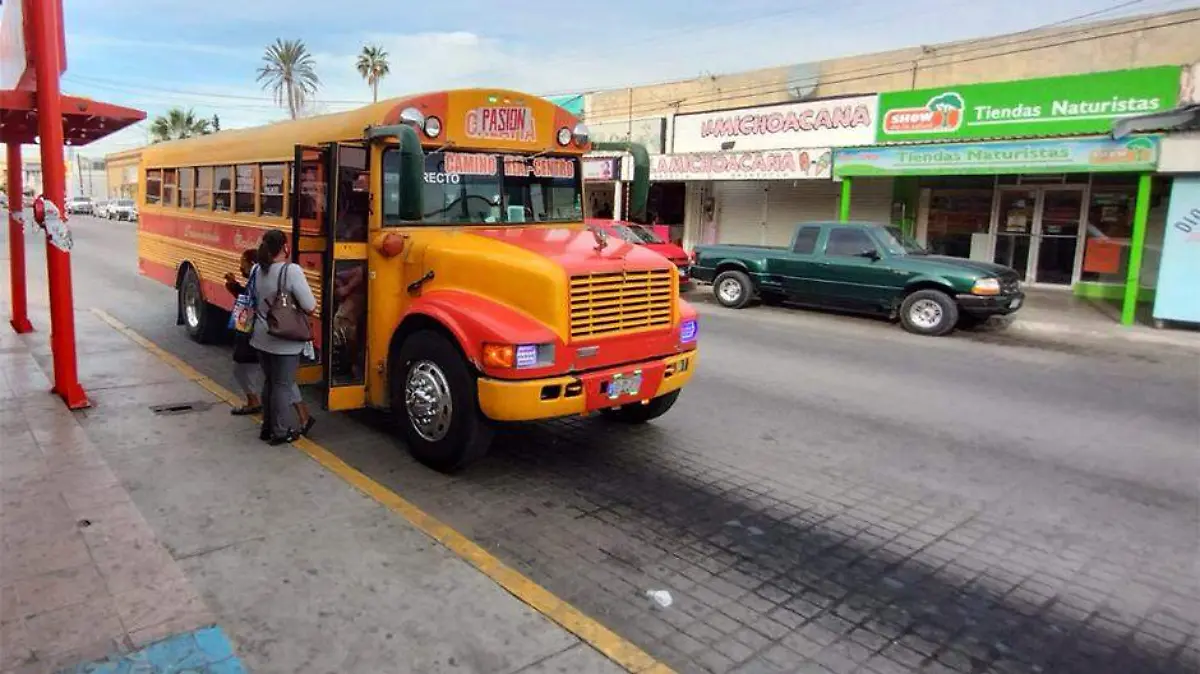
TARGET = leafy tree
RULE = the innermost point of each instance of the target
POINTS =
(289, 71)
(216, 124)
(373, 66)
(178, 123)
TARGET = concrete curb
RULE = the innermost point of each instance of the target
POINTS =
(1133, 335)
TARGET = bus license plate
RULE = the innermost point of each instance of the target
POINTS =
(625, 385)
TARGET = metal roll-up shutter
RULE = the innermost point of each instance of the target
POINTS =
(739, 211)
(871, 200)
(790, 202)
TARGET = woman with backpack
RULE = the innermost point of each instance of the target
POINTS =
(283, 304)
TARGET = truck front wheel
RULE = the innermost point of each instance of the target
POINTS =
(929, 312)
(435, 402)
(637, 413)
(733, 289)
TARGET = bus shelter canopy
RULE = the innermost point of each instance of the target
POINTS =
(84, 120)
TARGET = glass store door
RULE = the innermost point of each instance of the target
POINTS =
(1056, 232)
(1014, 228)
(1037, 232)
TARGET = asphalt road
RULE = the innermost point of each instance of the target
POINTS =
(830, 494)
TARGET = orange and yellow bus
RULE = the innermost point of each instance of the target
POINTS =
(443, 237)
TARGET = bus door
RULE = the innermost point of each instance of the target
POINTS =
(329, 226)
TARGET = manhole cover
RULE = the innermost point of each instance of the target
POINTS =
(180, 408)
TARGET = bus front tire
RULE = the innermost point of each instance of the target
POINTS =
(201, 319)
(637, 413)
(435, 402)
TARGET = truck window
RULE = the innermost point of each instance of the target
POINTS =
(848, 241)
(806, 240)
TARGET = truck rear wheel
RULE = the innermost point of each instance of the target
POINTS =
(637, 413)
(201, 319)
(435, 402)
(733, 289)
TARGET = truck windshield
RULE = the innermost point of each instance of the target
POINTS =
(488, 188)
(898, 243)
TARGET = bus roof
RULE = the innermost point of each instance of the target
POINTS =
(485, 119)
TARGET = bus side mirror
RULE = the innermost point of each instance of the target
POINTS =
(411, 173)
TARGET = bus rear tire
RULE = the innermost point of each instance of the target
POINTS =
(434, 399)
(637, 413)
(201, 319)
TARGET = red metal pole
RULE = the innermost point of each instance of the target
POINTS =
(16, 243)
(46, 18)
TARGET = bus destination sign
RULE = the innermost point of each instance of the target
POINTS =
(502, 123)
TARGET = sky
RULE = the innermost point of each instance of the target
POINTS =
(155, 54)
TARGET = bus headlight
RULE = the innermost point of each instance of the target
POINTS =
(564, 136)
(433, 127)
(688, 331)
(581, 134)
(520, 356)
(412, 117)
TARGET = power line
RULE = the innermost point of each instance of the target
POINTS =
(622, 110)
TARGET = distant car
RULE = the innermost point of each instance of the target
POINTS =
(865, 267)
(121, 209)
(642, 235)
(100, 209)
(3, 200)
(82, 205)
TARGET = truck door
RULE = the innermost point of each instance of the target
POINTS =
(329, 226)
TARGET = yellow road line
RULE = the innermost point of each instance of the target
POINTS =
(612, 645)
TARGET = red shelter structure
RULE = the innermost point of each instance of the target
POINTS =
(33, 110)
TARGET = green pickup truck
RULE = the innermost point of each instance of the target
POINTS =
(862, 267)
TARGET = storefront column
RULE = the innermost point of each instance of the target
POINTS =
(1133, 286)
(618, 192)
(844, 202)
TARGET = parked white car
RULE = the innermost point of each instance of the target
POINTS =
(80, 205)
(100, 209)
(121, 209)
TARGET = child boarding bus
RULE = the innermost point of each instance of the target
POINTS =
(443, 237)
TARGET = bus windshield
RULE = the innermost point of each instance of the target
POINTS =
(489, 188)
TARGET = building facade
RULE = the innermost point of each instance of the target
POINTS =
(992, 149)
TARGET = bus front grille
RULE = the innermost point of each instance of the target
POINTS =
(616, 302)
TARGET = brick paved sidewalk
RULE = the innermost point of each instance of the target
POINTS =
(82, 575)
(137, 541)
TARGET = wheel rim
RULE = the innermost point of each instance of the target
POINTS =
(925, 314)
(427, 400)
(730, 290)
(191, 304)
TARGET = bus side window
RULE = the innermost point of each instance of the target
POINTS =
(353, 194)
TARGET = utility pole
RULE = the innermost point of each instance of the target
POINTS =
(78, 169)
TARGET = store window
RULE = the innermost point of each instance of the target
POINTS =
(955, 216)
(204, 183)
(222, 188)
(272, 190)
(187, 183)
(1109, 229)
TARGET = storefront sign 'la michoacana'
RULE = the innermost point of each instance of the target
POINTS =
(1050, 106)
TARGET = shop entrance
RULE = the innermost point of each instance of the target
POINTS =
(1036, 230)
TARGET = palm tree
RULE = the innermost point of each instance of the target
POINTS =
(178, 123)
(289, 73)
(373, 66)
